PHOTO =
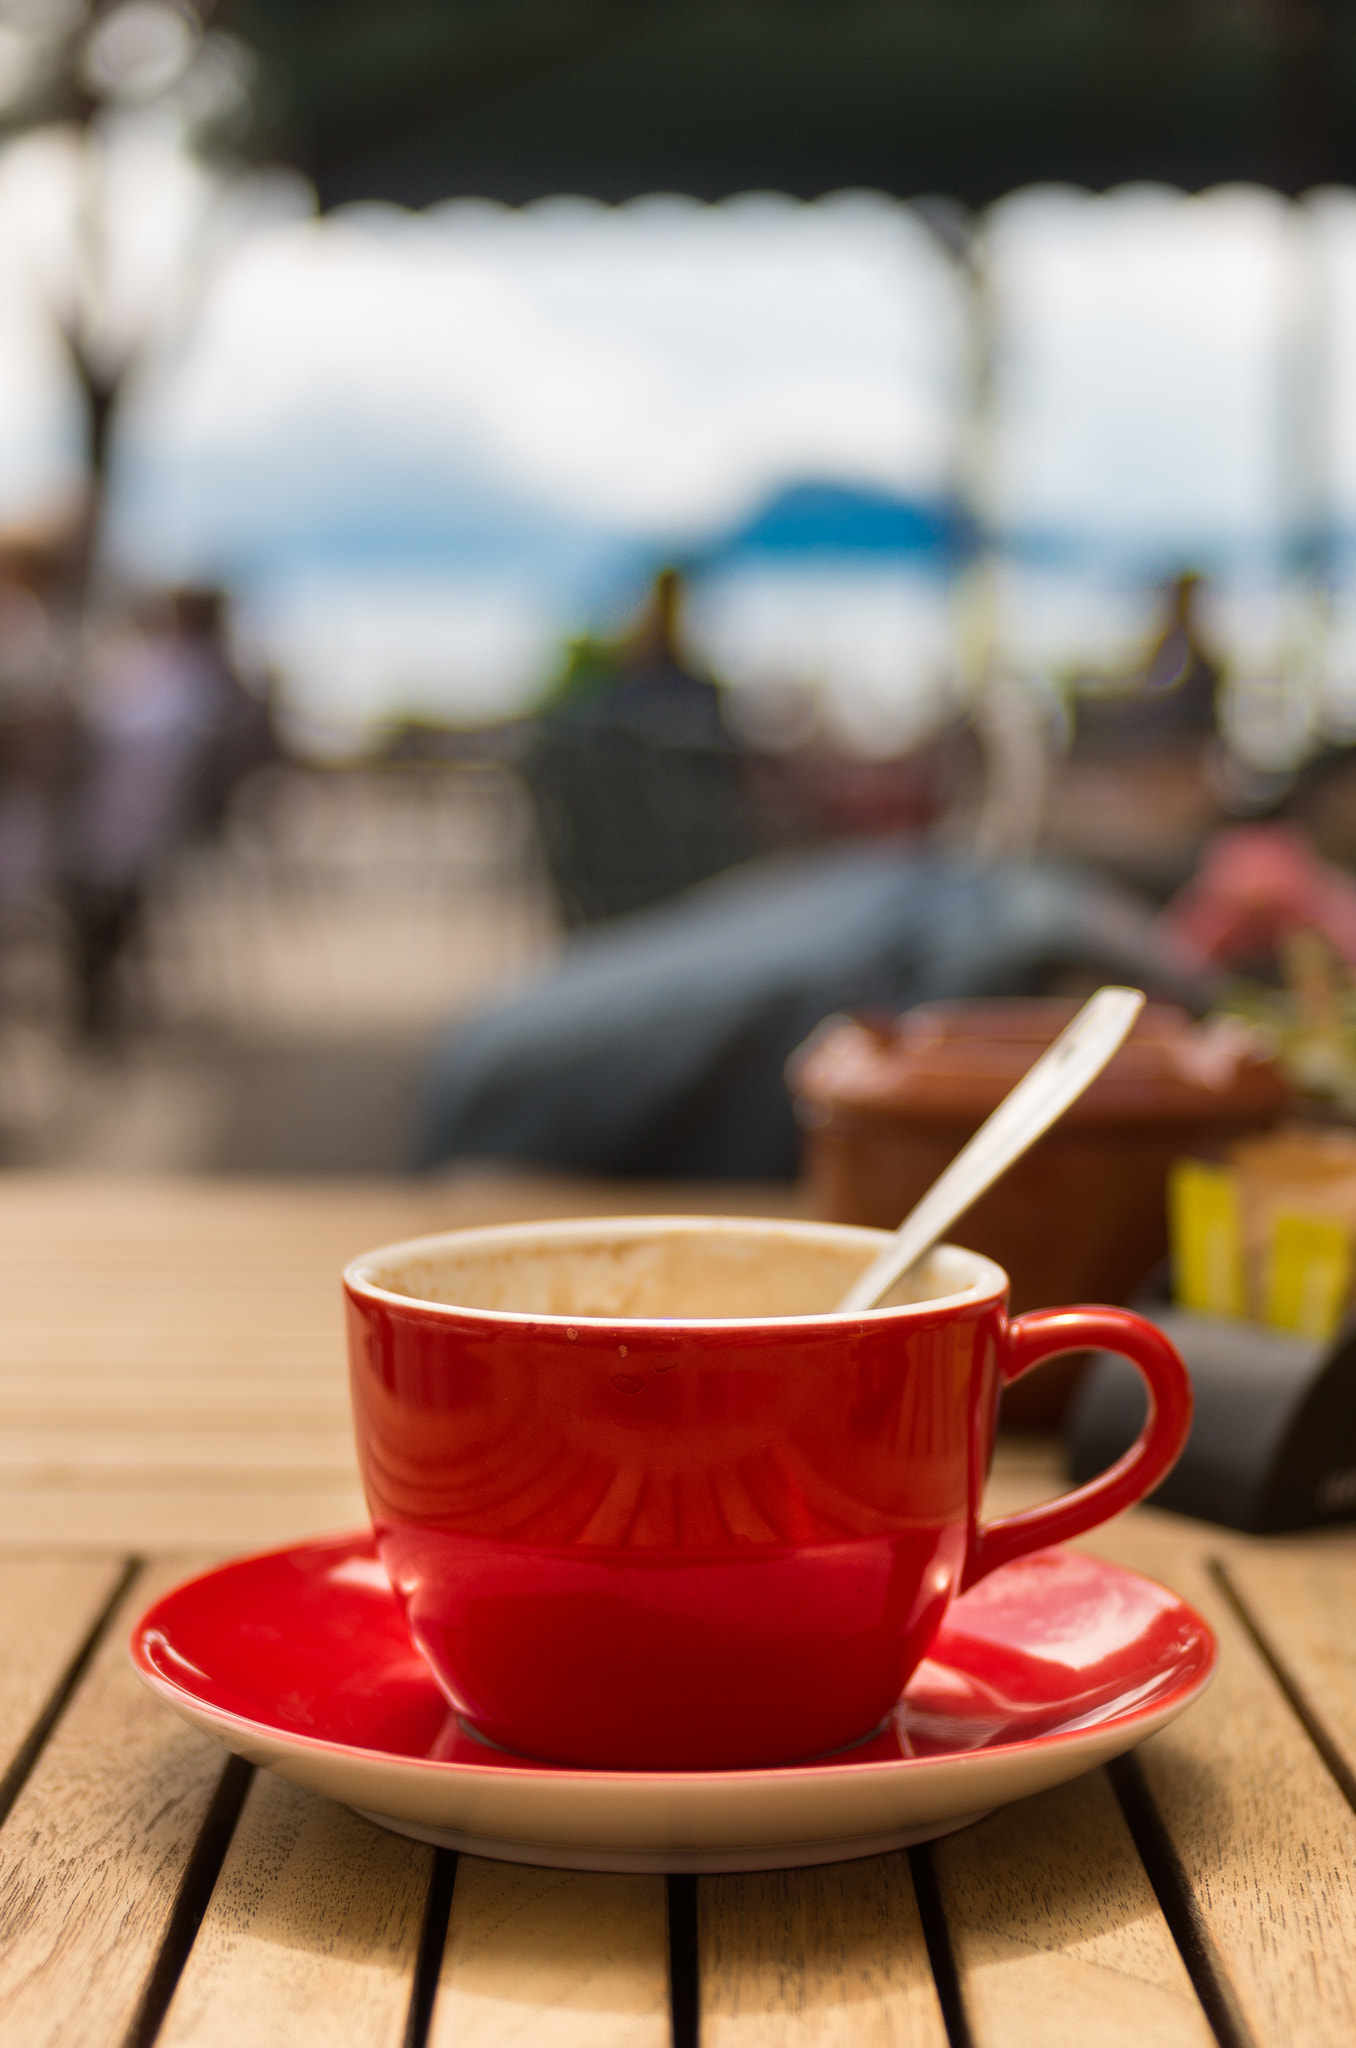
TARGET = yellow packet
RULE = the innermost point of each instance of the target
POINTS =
(1309, 1277)
(1207, 1239)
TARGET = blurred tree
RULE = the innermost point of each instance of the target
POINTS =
(129, 125)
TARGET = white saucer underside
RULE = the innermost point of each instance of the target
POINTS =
(700, 1862)
(709, 1821)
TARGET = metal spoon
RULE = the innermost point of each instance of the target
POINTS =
(1040, 1098)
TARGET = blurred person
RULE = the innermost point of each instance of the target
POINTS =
(1256, 887)
(1177, 687)
(637, 784)
(167, 728)
(241, 733)
(38, 664)
(1170, 700)
(644, 677)
(1140, 788)
(1265, 906)
(1319, 795)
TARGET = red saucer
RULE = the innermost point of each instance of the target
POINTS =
(298, 1659)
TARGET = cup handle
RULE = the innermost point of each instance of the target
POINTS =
(1044, 1334)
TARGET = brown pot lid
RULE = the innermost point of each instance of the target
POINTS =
(951, 1063)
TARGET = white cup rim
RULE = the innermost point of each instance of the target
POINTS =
(988, 1282)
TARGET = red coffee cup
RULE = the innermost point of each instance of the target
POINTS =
(649, 1504)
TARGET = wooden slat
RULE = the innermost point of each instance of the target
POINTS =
(167, 1517)
(1265, 1838)
(552, 1958)
(198, 1456)
(310, 1936)
(172, 1363)
(164, 1329)
(1025, 1469)
(48, 1605)
(1058, 1939)
(822, 1958)
(1301, 1597)
(94, 1851)
(141, 1399)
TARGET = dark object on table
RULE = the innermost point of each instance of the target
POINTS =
(1273, 1442)
(656, 1046)
(1083, 1217)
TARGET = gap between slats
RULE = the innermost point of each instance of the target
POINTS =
(200, 1875)
(684, 1978)
(1161, 1863)
(20, 1770)
(214, 1837)
(1305, 1711)
(1175, 1896)
(941, 1955)
(1159, 1858)
(432, 1942)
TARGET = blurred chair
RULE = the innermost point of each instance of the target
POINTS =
(637, 786)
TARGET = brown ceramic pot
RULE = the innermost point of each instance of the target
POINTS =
(1082, 1218)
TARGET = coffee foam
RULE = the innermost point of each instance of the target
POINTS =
(694, 1269)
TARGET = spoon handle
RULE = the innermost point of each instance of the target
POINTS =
(1042, 1095)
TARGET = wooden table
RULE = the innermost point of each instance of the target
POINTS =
(172, 1388)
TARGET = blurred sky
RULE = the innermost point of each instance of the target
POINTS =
(424, 445)
(431, 440)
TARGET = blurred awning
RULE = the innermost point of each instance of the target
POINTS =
(418, 100)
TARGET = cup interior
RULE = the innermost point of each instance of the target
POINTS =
(661, 1269)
